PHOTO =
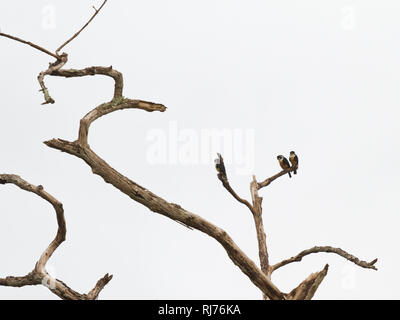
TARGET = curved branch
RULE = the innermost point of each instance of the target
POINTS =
(39, 275)
(81, 149)
(52, 68)
(91, 71)
(328, 249)
(55, 70)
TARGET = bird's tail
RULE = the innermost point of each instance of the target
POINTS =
(289, 175)
(295, 171)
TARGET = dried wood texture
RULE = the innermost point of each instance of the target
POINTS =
(39, 275)
(261, 277)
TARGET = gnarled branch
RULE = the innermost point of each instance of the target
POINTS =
(39, 274)
(328, 249)
(62, 59)
(80, 148)
(91, 71)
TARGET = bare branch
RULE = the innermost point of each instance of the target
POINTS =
(52, 68)
(93, 294)
(87, 23)
(258, 222)
(39, 275)
(29, 280)
(114, 105)
(222, 176)
(255, 209)
(81, 149)
(90, 71)
(55, 70)
(328, 249)
(267, 181)
(30, 44)
(306, 289)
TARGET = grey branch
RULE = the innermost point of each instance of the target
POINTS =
(39, 274)
(267, 181)
(328, 249)
(307, 288)
(222, 176)
(81, 149)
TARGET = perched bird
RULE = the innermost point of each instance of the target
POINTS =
(219, 165)
(284, 163)
(294, 161)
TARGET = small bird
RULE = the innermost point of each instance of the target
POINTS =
(284, 163)
(294, 161)
(220, 166)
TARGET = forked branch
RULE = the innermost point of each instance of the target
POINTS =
(39, 275)
(81, 149)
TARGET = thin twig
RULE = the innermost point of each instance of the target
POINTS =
(76, 34)
(30, 44)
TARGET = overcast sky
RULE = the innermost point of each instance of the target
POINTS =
(258, 78)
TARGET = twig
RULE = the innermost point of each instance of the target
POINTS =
(30, 44)
(87, 23)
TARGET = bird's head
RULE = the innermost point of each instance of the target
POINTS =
(292, 153)
(280, 157)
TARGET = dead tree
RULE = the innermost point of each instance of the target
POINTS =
(80, 148)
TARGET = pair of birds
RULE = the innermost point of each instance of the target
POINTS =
(284, 163)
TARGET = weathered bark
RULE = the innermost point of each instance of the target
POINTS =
(261, 277)
(39, 274)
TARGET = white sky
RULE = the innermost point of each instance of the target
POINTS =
(317, 77)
